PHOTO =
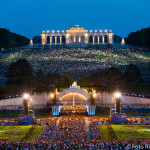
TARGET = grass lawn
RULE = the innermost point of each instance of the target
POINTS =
(131, 131)
(36, 132)
(13, 132)
(105, 132)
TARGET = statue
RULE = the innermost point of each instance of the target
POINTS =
(31, 42)
(123, 42)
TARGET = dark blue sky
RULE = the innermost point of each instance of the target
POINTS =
(30, 17)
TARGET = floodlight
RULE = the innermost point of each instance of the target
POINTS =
(117, 95)
(25, 96)
(52, 95)
(94, 95)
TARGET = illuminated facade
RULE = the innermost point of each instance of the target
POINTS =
(77, 35)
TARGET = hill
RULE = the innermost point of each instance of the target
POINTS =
(10, 40)
(37, 39)
(117, 39)
(139, 38)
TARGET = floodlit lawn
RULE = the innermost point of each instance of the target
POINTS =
(131, 131)
(105, 132)
(36, 132)
(13, 132)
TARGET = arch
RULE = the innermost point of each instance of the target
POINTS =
(105, 38)
(90, 39)
(71, 91)
(48, 39)
(63, 39)
(95, 39)
(100, 39)
(53, 39)
(58, 39)
(77, 39)
(82, 39)
(71, 39)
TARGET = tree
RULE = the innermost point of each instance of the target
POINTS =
(132, 73)
(10, 40)
(40, 79)
(139, 38)
(57, 80)
(20, 74)
(115, 79)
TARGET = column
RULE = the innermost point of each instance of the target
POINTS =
(93, 40)
(103, 40)
(43, 37)
(60, 39)
(67, 38)
(98, 39)
(50, 39)
(86, 38)
(110, 38)
(55, 39)
(79, 39)
(74, 39)
(46, 39)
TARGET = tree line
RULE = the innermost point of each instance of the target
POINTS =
(112, 79)
(10, 40)
(139, 38)
(20, 78)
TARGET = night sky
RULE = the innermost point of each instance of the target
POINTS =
(30, 17)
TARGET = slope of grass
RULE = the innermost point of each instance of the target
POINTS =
(105, 133)
(131, 131)
(36, 132)
(13, 132)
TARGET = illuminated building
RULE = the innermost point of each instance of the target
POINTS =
(77, 35)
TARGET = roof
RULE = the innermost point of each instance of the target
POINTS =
(75, 90)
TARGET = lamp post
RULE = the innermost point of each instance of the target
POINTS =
(117, 98)
(73, 99)
(26, 102)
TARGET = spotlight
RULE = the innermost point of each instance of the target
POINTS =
(52, 95)
(25, 96)
(117, 95)
(94, 95)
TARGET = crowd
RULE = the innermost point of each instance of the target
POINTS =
(94, 126)
(99, 120)
(70, 128)
(8, 121)
(70, 133)
(84, 61)
(75, 145)
(49, 124)
(143, 120)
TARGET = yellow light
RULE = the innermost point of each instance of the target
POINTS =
(52, 95)
(26, 96)
(117, 95)
(94, 95)
(86, 35)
